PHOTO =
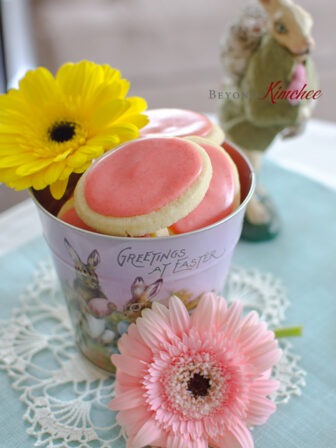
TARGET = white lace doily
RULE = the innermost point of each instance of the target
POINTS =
(66, 396)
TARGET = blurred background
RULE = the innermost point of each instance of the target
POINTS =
(169, 50)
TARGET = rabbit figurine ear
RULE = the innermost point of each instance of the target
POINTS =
(271, 4)
(266, 3)
(93, 259)
(73, 254)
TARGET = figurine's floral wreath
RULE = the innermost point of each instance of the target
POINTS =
(51, 127)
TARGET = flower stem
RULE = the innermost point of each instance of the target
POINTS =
(288, 332)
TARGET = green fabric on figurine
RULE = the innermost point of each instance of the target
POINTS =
(271, 77)
(252, 121)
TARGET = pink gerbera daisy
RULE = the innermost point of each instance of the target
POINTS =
(191, 381)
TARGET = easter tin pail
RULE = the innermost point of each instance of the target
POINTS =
(107, 281)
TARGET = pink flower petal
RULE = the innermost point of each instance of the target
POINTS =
(266, 356)
(132, 366)
(264, 338)
(129, 399)
(132, 420)
(233, 317)
(179, 316)
(251, 331)
(225, 440)
(146, 435)
(264, 386)
(159, 313)
(251, 319)
(154, 329)
(204, 316)
(161, 310)
(220, 311)
(175, 441)
(259, 410)
(125, 382)
(243, 435)
(131, 344)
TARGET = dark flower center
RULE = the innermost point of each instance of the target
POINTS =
(199, 385)
(62, 131)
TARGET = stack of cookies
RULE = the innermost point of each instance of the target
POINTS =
(175, 179)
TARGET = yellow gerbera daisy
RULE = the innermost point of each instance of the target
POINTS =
(53, 126)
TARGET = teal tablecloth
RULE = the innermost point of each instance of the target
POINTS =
(303, 257)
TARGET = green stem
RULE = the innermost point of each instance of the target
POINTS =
(288, 332)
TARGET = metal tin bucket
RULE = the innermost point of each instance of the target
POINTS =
(107, 281)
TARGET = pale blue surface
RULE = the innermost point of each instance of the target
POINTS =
(303, 257)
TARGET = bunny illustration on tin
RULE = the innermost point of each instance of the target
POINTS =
(142, 295)
(94, 306)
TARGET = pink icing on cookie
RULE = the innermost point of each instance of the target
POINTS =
(176, 122)
(218, 201)
(70, 216)
(142, 176)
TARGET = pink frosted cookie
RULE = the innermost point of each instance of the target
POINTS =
(181, 123)
(223, 195)
(143, 186)
(69, 215)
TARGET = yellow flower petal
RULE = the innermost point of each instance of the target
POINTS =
(105, 140)
(109, 112)
(92, 150)
(111, 75)
(133, 113)
(54, 172)
(82, 168)
(38, 88)
(138, 120)
(137, 104)
(66, 173)
(21, 183)
(38, 181)
(12, 160)
(32, 167)
(79, 79)
(62, 156)
(57, 189)
(76, 160)
(125, 131)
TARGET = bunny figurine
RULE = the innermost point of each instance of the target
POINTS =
(271, 78)
(142, 296)
(93, 304)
